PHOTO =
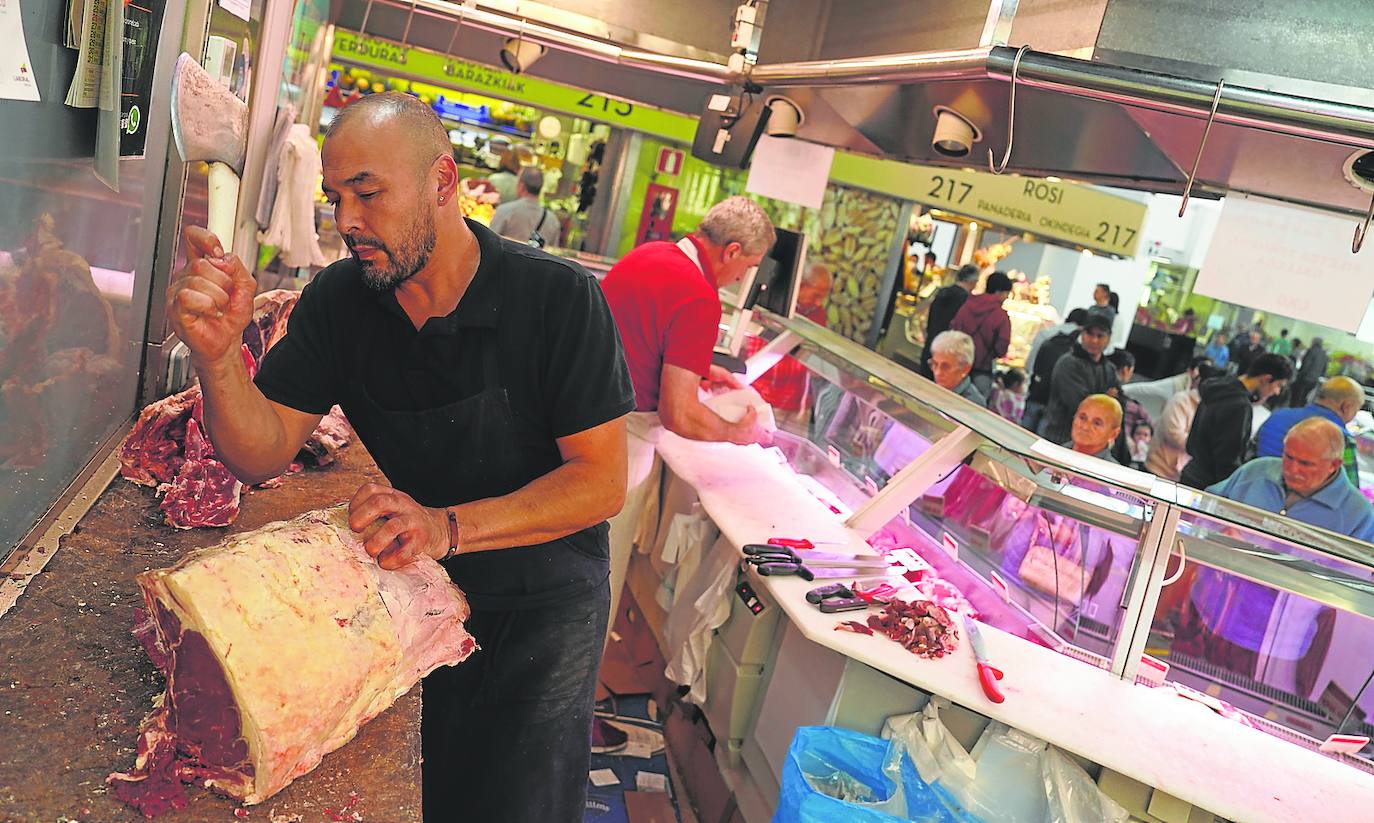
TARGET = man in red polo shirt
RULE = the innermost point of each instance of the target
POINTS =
(666, 306)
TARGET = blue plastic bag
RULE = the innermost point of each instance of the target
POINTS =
(836, 776)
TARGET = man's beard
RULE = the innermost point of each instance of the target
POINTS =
(403, 260)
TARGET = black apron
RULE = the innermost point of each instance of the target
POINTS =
(470, 450)
(505, 734)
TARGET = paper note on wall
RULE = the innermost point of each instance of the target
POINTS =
(790, 170)
(1288, 260)
(238, 8)
(16, 72)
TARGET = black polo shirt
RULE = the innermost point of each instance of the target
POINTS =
(559, 355)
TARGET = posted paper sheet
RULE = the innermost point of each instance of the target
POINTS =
(790, 170)
(16, 72)
(1288, 260)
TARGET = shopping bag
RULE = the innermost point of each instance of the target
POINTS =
(840, 776)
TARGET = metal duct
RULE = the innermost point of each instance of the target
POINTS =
(1136, 125)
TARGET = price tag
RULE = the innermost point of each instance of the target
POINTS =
(1001, 586)
(834, 455)
(1344, 744)
(650, 782)
(1152, 671)
(909, 560)
(950, 545)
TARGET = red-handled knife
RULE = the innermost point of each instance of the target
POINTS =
(988, 675)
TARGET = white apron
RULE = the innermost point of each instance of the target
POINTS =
(643, 430)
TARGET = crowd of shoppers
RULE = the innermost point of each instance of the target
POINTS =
(1198, 427)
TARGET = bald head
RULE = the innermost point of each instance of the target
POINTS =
(1096, 423)
(389, 173)
(1106, 404)
(408, 128)
(1342, 396)
(1319, 435)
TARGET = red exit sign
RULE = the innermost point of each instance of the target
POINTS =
(669, 161)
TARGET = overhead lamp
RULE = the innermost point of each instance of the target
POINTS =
(954, 134)
(518, 54)
(784, 117)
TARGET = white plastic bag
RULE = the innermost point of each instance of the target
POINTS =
(1073, 796)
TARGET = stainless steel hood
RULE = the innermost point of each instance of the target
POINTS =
(1085, 120)
(1115, 92)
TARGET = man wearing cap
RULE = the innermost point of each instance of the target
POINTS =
(983, 318)
(1081, 372)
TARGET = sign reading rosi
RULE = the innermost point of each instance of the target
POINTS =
(442, 70)
(1064, 211)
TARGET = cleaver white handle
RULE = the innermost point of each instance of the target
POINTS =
(224, 203)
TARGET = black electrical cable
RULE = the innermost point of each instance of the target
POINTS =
(1353, 703)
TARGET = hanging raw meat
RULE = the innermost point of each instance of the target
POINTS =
(277, 645)
(271, 310)
(200, 491)
(59, 371)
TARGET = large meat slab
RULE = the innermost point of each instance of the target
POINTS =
(277, 645)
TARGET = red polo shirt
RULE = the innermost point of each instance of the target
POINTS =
(667, 311)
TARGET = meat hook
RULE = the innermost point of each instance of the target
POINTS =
(1207, 129)
(405, 35)
(1362, 230)
(1011, 115)
(453, 38)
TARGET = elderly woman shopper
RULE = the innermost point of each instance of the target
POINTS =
(951, 359)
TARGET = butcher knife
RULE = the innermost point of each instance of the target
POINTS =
(988, 675)
(210, 123)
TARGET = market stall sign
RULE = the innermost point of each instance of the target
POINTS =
(432, 67)
(1067, 212)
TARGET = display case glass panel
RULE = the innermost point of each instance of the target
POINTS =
(1271, 616)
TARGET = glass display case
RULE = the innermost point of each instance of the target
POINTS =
(1263, 618)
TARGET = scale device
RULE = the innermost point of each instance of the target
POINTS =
(773, 285)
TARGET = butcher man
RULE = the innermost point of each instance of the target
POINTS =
(665, 302)
(487, 380)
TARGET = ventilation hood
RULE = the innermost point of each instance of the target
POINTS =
(1113, 92)
(1122, 97)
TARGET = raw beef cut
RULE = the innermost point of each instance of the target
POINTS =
(322, 640)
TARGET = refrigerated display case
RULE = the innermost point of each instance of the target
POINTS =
(1263, 619)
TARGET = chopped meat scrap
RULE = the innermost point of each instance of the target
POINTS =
(327, 440)
(852, 626)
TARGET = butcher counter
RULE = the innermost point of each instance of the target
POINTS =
(74, 683)
(1104, 670)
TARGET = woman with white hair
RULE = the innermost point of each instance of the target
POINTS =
(951, 358)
